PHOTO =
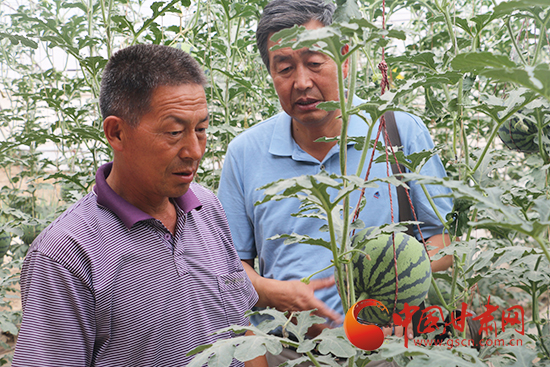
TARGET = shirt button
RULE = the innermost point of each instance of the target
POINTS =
(167, 236)
(322, 167)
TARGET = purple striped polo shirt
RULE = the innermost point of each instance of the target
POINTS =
(108, 285)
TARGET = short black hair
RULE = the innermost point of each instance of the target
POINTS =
(134, 72)
(282, 14)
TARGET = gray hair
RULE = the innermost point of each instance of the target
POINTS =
(281, 14)
(133, 73)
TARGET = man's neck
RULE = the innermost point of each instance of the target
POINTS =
(163, 209)
(306, 138)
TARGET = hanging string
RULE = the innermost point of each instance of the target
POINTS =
(384, 84)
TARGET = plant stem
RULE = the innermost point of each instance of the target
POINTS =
(542, 246)
(439, 295)
(350, 297)
(540, 41)
(308, 279)
(366, 147)
(445, 10)
(513, 40)
(333, 244)
(432, 204)
(313, 359)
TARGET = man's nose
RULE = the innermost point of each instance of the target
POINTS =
(302, 78)
(193, 147)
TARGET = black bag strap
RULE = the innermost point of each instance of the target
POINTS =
(405, 210)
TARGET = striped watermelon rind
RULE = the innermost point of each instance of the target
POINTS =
(375, 278)
(520, 135)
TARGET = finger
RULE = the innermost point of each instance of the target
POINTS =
(324, 311)
(398, 331)
(410, 331)
(322, 283)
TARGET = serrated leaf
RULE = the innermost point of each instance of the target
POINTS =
(510, 6)
(329, 106)
(277, 319)
(479, 61)
(199, 349)
(306, 346)
(440, 356)
(536, 78)
(9, 327)
(335, 341)
(304, 320)
(425, 59)
(223, 356)
(346, 10)
(253, 348)
(304, 239)
(524, 356)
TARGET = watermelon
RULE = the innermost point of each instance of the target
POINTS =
(375, 278)
(520, 135)
(5, 241)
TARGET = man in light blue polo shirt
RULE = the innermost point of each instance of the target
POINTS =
(285, 146)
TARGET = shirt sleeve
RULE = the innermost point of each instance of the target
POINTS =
(58, 327)
(417, 140)
(231, 194)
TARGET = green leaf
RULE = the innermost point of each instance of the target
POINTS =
(425, 59)
(479, 61)
(501, 68)
(413, 161)
(199, 349)
(8, 326)
(510, 6)
(223, 356)
(306, 346)
(304, 320)
(524, 357)
(335, 341)
(536, 78)
(422, 357)
(16, 39)
(303, 239)
(346, 10)
(255, 347)
(329, 105)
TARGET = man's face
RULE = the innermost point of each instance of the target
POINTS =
(303, 79)
(165, 149)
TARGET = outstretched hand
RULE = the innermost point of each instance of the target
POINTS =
(398, 331)
(293, 295)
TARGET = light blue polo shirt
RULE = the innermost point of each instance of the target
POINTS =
(267, 152)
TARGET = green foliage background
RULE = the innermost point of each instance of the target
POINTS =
(465, 67)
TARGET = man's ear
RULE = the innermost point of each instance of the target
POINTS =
(345, 66)
(113, 127)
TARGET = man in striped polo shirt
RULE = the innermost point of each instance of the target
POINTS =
(141, 270)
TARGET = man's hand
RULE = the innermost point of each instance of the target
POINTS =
(291, 295)
(440, 241)
(398, 331)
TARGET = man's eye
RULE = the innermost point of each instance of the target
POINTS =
(174, 133)
(200, 130)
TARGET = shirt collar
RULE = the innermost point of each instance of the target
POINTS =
(283, 144)
(128, 213)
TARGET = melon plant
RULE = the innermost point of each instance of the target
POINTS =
(374, 275)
